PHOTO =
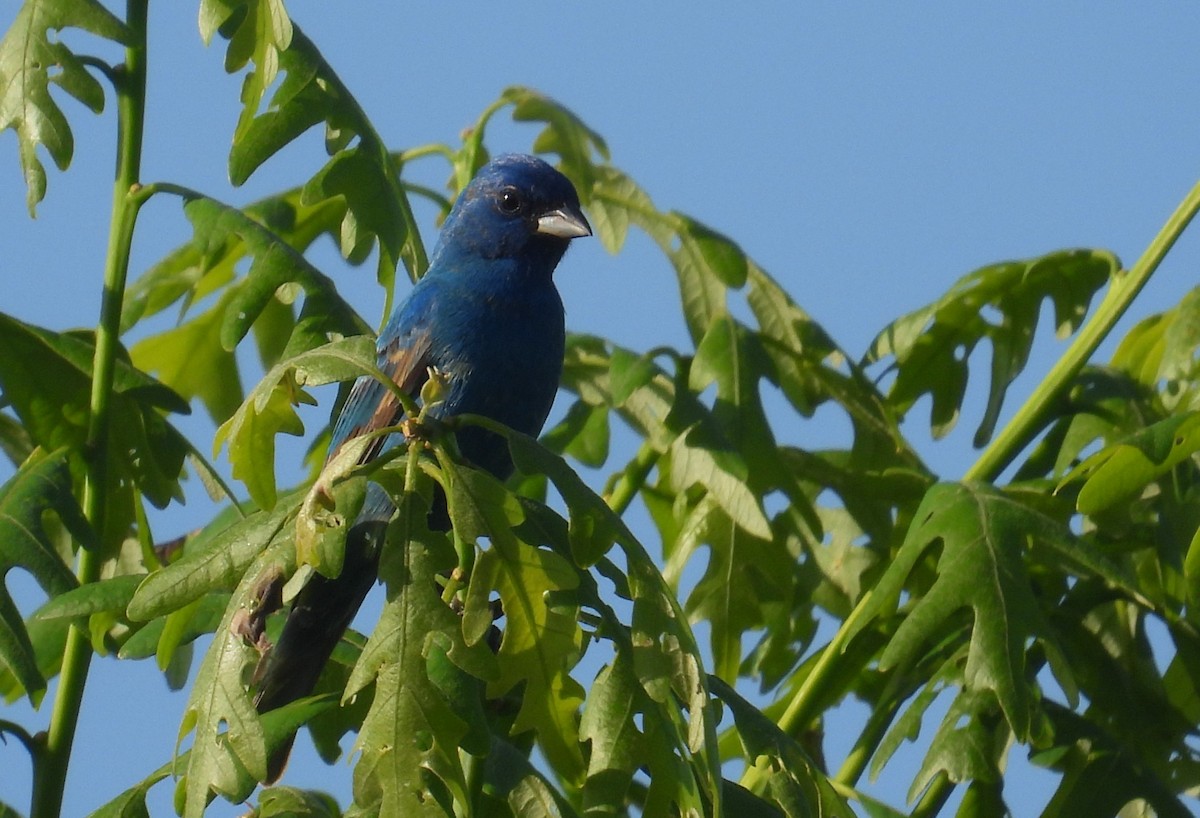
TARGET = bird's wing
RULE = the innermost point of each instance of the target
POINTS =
(370, 405)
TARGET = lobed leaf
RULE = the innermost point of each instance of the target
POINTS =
(230, 745)
(981, 570)
(541, 636)
(42, 484)
(793, 780)
(30, 60)
(258, 31)
(366, 177)
(1121, 471)
(267, 411)
(408, 743)
(929, 349)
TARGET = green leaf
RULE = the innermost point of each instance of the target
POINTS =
(694, 461)
(292, 802)
(1099, 774)
(541, 636)
(1160, 352)
(609, 724)
(701, 289)
(49, 639)
(614, 202)
(112, 594)
(277, 724)
(29, 61)
(257, 30)
(744, 577)
(408, 744)
(14, 440)
(42, 484)
(732, 357)
(267, 411)
(794, 782)
(582, 434)
(1120, 472)
(196, 358)
(366, 176)
(207, 263)
(983, 537)
(508, 773)
(132, 802)
(274, 263)
(629, 732)
(663, 650)
(216, 559)
(930, 348)
(374, 210)
(47, 378)
(166, 636)
(565, 134)
(230, 745)
(719, 255)
(191, 360)
(969, 745)
(593, 527)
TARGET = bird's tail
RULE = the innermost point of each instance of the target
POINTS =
(319, 616)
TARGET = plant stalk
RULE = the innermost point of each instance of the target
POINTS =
(801, 710)
(632, 478)
(50, 773)
(1125, 286)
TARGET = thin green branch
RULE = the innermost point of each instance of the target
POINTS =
(868, 742)
(421, 151)
(110, 73)
(50, 773)
(802, 709)
(632, 478)
(1123, 289)
(935, 797)
(11, 728)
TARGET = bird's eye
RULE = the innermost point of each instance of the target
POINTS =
(510, 202)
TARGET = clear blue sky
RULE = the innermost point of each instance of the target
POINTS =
(866, 154)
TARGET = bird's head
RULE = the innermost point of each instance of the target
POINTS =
(516, 207)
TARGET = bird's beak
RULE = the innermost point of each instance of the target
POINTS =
(566, 223)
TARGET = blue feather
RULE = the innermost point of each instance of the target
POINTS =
(488, 318)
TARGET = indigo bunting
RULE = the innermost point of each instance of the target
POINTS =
(487, 317)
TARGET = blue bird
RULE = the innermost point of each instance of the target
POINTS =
(487, 317)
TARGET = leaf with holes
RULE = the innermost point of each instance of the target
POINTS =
(393, 766)
(1120, 472)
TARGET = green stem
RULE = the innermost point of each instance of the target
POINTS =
(1123, 290)
(802, 709)
(868, 742)
(632, 478)
(51, 772)
(935, 797)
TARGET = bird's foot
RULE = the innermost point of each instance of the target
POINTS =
(266, 597)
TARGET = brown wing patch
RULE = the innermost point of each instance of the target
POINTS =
(408, 366)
